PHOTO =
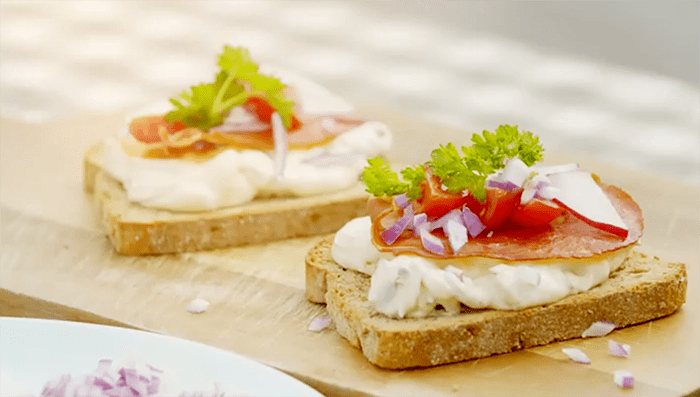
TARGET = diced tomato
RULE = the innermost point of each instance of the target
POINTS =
(436, 202)
(536, 213)
(264, 110)
(500, 204)
(146, 129)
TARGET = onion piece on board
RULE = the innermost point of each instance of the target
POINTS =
(319, 323)
(198, 305)
(623, 379)
(617, 349)
(598, 328)
(576, 355)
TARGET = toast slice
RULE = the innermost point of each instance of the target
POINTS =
(642, 289)
(137, 230)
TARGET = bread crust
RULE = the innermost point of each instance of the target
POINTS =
(137, 230)
(642, 289)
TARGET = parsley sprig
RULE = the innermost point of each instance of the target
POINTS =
(458, 172)
(206, 105)
(381, 180)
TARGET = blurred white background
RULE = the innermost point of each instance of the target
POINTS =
(657, 36)
(618, 80)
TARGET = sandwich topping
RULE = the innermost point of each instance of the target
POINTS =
(254, 132)
(487, 228)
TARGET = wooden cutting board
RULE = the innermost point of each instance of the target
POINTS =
(57, 263)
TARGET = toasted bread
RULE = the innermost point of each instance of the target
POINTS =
(137, 230)
(642, 289)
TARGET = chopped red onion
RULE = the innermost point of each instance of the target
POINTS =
(618, 350)
(431, 242)
(456, 234)
(153, 386)
(393, 232)
(528, 194)
(599, 328)
(420, 222)
(56, 387)
(623, 378)
(453, 226)
(532, 188)
(441, 222)
(515, 171)
(503, 185)
(472, 222)
(154, 369)
(401, 200)
(103, 367)
(547, 192)
(319, 323)
(198, 305)
(576, 355)
(279, 136)
(102, 384)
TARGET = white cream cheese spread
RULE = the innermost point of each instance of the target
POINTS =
(233, 177)
(413, 286)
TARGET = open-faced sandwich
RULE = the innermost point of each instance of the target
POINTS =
(484, 251)
(257, 155)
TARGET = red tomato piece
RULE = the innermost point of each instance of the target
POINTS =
(500, 204)
(264, 110)
(436, 202)
(536, 213)
(146, 129)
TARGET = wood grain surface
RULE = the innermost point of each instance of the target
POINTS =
(55, 262)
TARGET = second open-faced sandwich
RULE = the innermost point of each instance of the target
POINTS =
(482, 251)
(259, 154)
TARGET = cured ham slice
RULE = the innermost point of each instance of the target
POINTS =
(566, 237)
(163, 140)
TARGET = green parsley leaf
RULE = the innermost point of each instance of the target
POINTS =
(507, 143)
(237, 61)
(457, 172)
(206, 105)
(414, 176)
(488, 153)
(381, 180)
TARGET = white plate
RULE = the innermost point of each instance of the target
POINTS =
(33, 352)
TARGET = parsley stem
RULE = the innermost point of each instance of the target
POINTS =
(220, 95)
(238, 99)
